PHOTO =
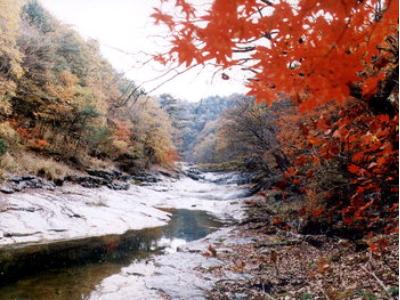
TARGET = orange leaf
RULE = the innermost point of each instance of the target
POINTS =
(352, 168)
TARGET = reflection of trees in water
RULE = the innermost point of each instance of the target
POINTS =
(108, 255)
(190, 225)
(62, 284)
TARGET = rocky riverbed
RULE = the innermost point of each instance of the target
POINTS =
(195, 236)
(54, 230)
(74, 212)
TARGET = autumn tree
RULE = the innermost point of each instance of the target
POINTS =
(10, 56)
(314, 51)
(205, 149)
(323, 55)
(36, 15)
(249, 131)
(151, 132)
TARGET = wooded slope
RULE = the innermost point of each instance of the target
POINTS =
(63, 106)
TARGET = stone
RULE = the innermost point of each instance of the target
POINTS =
(118, 186)
(20, 183)
(7, 190)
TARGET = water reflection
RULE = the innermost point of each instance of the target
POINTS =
(108, 257)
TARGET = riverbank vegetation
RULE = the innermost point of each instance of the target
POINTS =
(64, 108)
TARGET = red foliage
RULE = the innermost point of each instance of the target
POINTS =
(24, 133)
(122, 131)
(314, 52)
(378, 246)
(360, 148)
(171, 156)
(30, 136)
(40, 144)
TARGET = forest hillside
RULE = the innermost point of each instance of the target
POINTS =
(64, 108)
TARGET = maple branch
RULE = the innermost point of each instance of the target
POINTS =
(250, 70)
(160, 76)
(381, 284)
(244, 49)
(267, 2)
(172, 78)
(215, 73)
(136, 92)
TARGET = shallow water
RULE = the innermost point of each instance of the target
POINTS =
(77, 282)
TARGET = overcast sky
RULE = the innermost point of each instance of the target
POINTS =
(126, 25)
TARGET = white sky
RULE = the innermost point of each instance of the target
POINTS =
(126, 25)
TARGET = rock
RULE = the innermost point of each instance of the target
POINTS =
(317, 240)
(169, 173)
(19, 234)
(20, 186)
(125, 177)
(224, 250)
(7, 190)
(18, 179)
(59, 182)
(113, 179)
(194, 174)
(146, 177)
(20, 183)
(108, 175)
(89, 181)
(118, 186)
(118, 180)
(129, 163)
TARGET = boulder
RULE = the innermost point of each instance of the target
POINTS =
(118, 185)
(20, 183)
(108, 175)
(88, 181)
(194, 174)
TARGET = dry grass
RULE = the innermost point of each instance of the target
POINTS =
(217, 167)
(8, 163)
(95, 163)
(28, 163)
(8, 134)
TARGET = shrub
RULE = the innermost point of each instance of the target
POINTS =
(8, 134)
(45, 167)
(3, 147)
(8, 163)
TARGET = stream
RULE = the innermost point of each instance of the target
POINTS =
(137, 263)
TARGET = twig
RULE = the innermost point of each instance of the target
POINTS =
(269, 296)
(382, 285)
(278, 244)
(172, 78)
(325, 294)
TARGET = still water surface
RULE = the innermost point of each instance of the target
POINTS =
(77, 282)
